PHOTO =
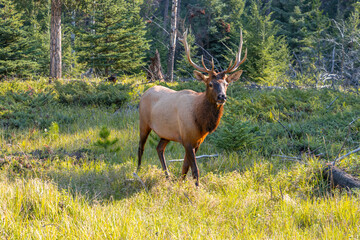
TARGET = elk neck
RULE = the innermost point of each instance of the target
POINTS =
(207, 114)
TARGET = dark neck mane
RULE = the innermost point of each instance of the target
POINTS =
(207, 114)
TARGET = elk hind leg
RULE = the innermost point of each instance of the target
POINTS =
(144, 133)
(160, 150)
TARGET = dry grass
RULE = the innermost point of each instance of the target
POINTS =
(61, 186)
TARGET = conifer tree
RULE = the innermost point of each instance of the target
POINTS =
(17, 50)
(268, 56)
(290, 15)
(35, 17)
(115, 39)
(184, 68)
(222, 21)
(314, 45)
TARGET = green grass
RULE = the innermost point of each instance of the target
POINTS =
(57, 183)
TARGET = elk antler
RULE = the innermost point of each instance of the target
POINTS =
(237, 63)
(187, 51)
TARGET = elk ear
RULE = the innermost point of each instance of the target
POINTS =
(199, 76)
(234, 77)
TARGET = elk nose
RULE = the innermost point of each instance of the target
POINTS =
(221, 97)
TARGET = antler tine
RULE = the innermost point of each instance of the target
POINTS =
(238, 55)
(187, 51)
(230, 64)
(202, 61)
(212, 65)
(242, 61)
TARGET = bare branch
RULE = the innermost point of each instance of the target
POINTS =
(347, 136)
(141, 181)
(332, 103)
(201, 156)
(152, 21)
(346, 155)
(282, 126)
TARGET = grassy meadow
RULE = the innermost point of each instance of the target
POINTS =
(68, 151)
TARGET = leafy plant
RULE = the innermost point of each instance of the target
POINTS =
(83, 93)
(105, 142)
(235, 135)
(53, 132)
(25, 108)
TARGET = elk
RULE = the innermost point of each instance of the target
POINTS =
(186, 116)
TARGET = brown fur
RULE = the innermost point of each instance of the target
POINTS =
(207, 116)
(183, 116)
(186, 116)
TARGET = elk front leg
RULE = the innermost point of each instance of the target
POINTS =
(186, 165)
(191, 157)
(160, 150)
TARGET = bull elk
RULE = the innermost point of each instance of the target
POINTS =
(186, 116)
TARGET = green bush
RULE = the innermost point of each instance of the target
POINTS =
(83, 93)
(105, 142)
(27, 108)
(234, 135)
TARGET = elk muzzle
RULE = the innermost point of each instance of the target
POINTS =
(221, 99)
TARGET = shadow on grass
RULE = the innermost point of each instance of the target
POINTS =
(83, 172)
(75, 105)
(99, 182)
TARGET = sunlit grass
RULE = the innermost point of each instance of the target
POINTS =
(57, 184)
(231, 206)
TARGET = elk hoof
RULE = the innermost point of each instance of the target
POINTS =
(167, 175)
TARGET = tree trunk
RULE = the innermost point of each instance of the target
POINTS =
(155, 70)
(55, 39)
(178, 13)
(166, 14)
(173, 36)
(73, 23)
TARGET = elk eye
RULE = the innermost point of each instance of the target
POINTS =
(210, 85)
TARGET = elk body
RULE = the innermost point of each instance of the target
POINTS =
(186, 116)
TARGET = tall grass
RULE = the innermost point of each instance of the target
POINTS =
(56, 183)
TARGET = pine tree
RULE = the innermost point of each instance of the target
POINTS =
(223, 20)
(35, 16)
(290, 15)
(18, 50)
(268, 56)
(314, 45)
(115, 39)
(184, 68)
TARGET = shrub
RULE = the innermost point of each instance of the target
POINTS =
(235, 135)
(105, 142)
(25, 108)
(83, 93)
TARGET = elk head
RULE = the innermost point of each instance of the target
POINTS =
(216, 82)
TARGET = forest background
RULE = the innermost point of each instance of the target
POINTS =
(69, 147)
(307, 42)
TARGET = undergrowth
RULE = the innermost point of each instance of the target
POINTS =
(67, 164)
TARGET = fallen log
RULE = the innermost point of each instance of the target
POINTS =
(339, 178)
(334, 175)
